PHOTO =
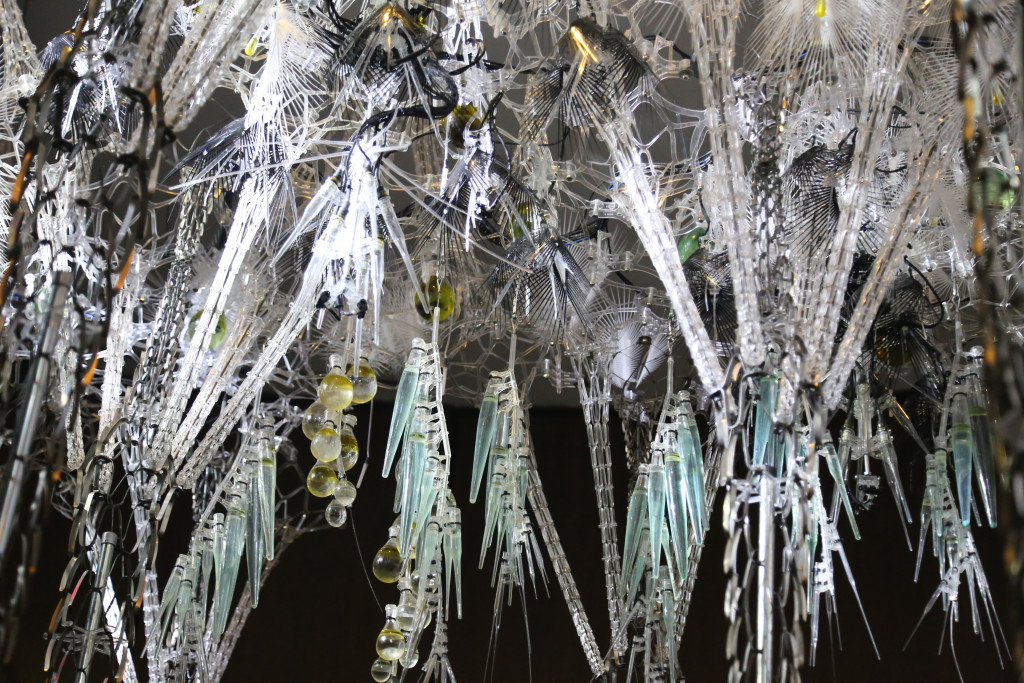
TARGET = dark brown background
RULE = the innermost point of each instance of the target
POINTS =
(318, 616)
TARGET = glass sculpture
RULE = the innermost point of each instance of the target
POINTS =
(773, 238)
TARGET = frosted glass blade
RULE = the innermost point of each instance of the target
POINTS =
(677, 492)
(485, 427)
(656, 495)
(268, 495)
(234, 531)
(984, 460)
(255, 537)
(417, 455)
(405, 397)
(836, 470)
(635, 516)
(766, 392)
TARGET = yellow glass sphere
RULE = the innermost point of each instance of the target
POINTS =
(390, 644)
(314, 419)
(345, 492)
(322, 480)
(440, 295)
(335, 391)
(387, 564)
(326, 445)
(364, 386)
(349, 448)
(380, 671)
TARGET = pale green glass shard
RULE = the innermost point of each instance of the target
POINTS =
(268, 493)
(678, 528)
(963, 456)
(984, 455)
(428, 496)
(254, 537)
(693, 466)
(499, 461)
(217, 543)
(486, 425)
(186, 590)
(767, 390)
(169, 600)
(206, 563)
(400, 474)
(425, 556)
(411, 487)
(234, 531)
(656, 496)
(635, 516)
(637, 569)
(455, 553)
(836, 470)
(405, 398)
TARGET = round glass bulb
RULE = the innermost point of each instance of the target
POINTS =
(345, 492)
(348, 448)
(336, 514)
(335, 391)
(314, 419)
(321, 480)
(440, 295)
(380, 670)
(364, 386)
(326, 445)
(387, 563)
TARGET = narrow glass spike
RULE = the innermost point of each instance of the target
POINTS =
(637, 569)
(268, 492)
(887, 453)
(206, 564)
(485, 428)
(677, 492)
(255, 537)
(836, 470)
(984, 456)
(693, 465)
(234, 531)
(656, 496)
(635, 516)
(405, 398)
(767, 389)
(455, 533)
(217, 544)
(425, 556)
(963, 456)
(411, 490)
(428, 496)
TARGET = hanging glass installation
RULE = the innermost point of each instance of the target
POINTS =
(779, 241)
